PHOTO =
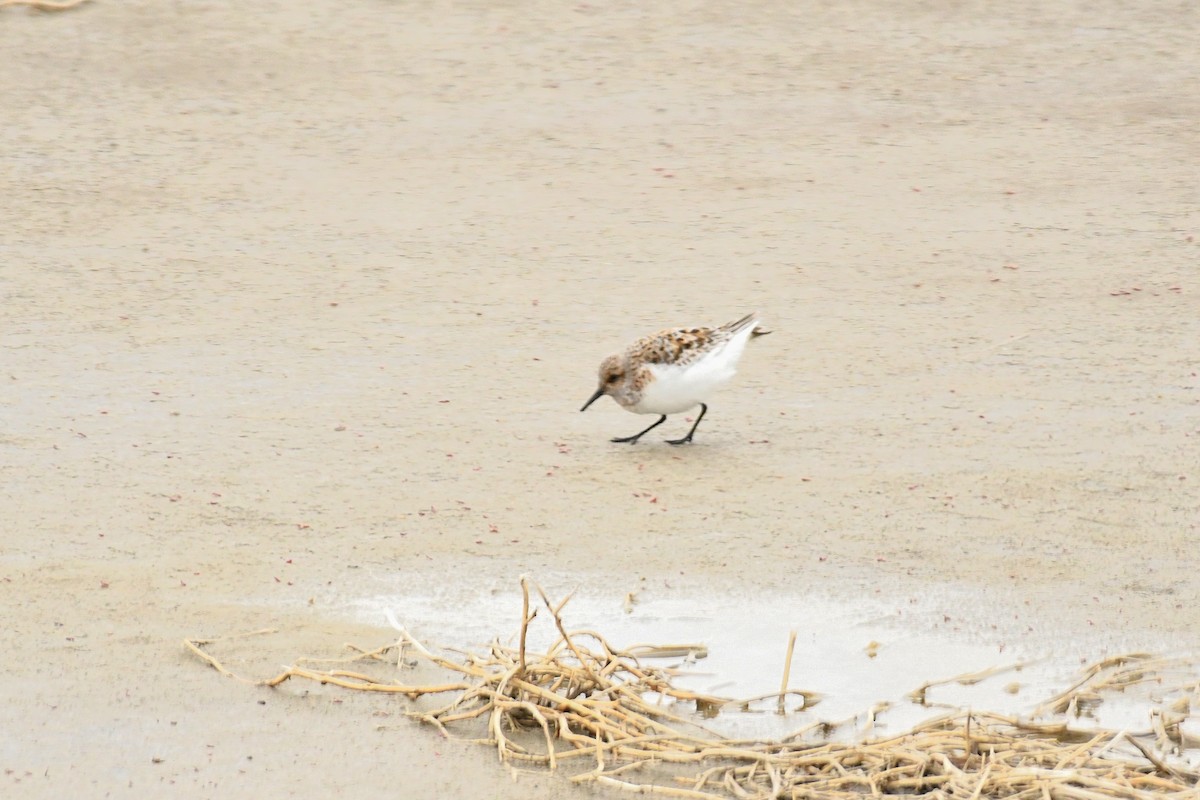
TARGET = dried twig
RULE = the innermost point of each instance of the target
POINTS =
(787, 671)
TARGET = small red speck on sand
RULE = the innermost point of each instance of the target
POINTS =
(805, 480)
(103, 584)
(822, 558)
(479, 541)
(303, 526)
(443, 401)
(333, 305)
(181, 583)
(278, 581)
(493, 529)
(653, 499)
(916, 188)
(535, 302)
(288, 561)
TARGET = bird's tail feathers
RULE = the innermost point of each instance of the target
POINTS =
(749, 319)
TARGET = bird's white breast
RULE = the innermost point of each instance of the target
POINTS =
(677, 388)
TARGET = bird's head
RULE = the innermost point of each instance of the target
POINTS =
(612, 377)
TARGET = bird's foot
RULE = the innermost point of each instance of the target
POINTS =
(626, 439)
(685, 440)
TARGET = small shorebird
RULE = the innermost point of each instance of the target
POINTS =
(674, 370)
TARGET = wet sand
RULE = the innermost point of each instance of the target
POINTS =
(301, 302)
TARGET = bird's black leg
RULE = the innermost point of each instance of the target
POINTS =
(633, 439)
(687, 439)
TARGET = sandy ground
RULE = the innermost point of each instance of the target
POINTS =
(297, 295)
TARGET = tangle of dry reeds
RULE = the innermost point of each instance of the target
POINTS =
(603, 715)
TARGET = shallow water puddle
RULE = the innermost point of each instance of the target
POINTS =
(863, 663)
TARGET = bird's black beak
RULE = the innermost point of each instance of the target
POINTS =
(599, 393)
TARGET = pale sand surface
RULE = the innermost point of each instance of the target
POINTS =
(297, 295)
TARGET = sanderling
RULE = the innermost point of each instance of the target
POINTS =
(674, 370)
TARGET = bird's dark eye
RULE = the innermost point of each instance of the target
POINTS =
(612, 378)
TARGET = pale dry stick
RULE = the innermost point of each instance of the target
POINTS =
(810, 699)
(556, 612)
(43, 5)
(707, 775)
(609, 654)
(1153, 759)
(497, 736)
(734, 787)
(389, 688)
(773, 774)
(212, 662)
(525, 620)
(448, 719)
(983, 779)
(787, 672)
(195, 646)
(663, 687)
(647, 713)
(1085, 748)
(664, 650)
(600, 770)
(1091, 674)
(361, 653)
(920, 782)
(621, 770)
(580, 708)
(478, 694)
(463, 669)
(514, 750)
(966, 679)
